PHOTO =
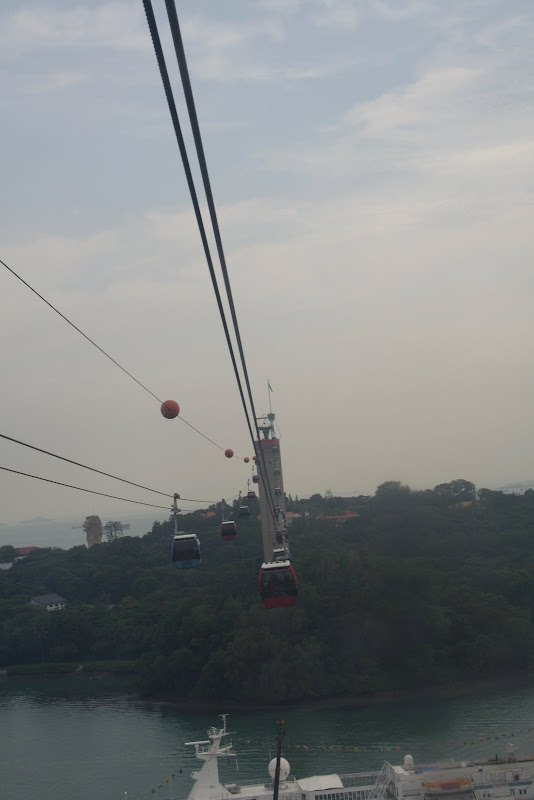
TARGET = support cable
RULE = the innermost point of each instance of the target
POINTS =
(80, 489)
(142, 385)
(152, 25)
(99, 471)
(188, 92)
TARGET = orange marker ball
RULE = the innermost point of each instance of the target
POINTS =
(170, 409)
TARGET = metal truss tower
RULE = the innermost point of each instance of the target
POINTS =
(274, 530)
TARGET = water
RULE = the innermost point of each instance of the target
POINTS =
(60, 532)
(82, 738)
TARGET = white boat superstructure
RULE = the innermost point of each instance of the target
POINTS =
(499, 778)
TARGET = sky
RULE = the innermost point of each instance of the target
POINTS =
(372, 164)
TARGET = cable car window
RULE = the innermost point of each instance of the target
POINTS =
(185, 549)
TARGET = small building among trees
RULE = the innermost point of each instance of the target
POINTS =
(50, 602)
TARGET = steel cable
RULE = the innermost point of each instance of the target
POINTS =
(142, 385)
(188, 93)
(81, 489)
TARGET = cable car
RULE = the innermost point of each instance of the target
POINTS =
(251, 495)
(278, 584)
(185, 550)
(255, 479)
(228, 531)
(277, 492)
(244, 511)
(281, 554)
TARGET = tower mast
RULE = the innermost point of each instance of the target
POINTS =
(271, 484)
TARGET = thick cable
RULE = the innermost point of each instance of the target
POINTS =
(81, 489)
(153, 28)
(99, 471)
(195, 127)
(142, 385)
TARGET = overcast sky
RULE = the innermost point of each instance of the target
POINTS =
(372, 165)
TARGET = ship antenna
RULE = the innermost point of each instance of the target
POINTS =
(223, 717)
(278, 757)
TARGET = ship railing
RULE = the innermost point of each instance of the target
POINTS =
(359, 779)
(385, 778)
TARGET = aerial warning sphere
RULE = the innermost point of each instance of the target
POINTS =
(229, 453)
(170, 409)
(254, 458)
(246, 459)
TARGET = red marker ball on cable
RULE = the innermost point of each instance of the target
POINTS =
(170, 409)
(229, 453)
(246, 459)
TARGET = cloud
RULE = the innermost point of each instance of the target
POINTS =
(338, 14)
(438, 98)
(114, 25)
(401, 9)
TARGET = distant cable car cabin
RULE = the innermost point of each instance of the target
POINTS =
(278, 584)
(244, 511)
(255, 479)
(281, 554)
(251, 495)
(277, 492)
(185, 550)
(228, 531)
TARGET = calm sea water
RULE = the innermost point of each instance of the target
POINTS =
(78, 738)
(62, 532)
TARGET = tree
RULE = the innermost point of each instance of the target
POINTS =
(113, 530)
(8, 554)
(457, 491)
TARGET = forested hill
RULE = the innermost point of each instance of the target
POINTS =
(421, 588)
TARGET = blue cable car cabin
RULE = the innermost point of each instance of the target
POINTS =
(244, 511)
(278, 584)
(185, 551)
(228, 531)
(251, 495)
(255, 479)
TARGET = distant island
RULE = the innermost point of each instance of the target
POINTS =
(399, 590)
(35, 519)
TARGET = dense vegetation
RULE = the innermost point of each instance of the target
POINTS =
(422, 588)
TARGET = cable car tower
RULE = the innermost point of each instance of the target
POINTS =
(271, 484)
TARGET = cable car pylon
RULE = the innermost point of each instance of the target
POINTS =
(277, 581)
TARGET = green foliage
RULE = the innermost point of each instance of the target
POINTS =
(422, 587)
(8, 553)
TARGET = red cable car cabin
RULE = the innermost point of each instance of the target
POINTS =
(278, 584)
(228, 531)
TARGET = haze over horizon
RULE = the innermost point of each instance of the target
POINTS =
(372, 164)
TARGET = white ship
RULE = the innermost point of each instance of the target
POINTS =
(498, 777)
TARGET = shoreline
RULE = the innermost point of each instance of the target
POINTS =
(442, 691)
(392, 696)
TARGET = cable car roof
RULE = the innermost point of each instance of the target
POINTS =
(273, 565)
